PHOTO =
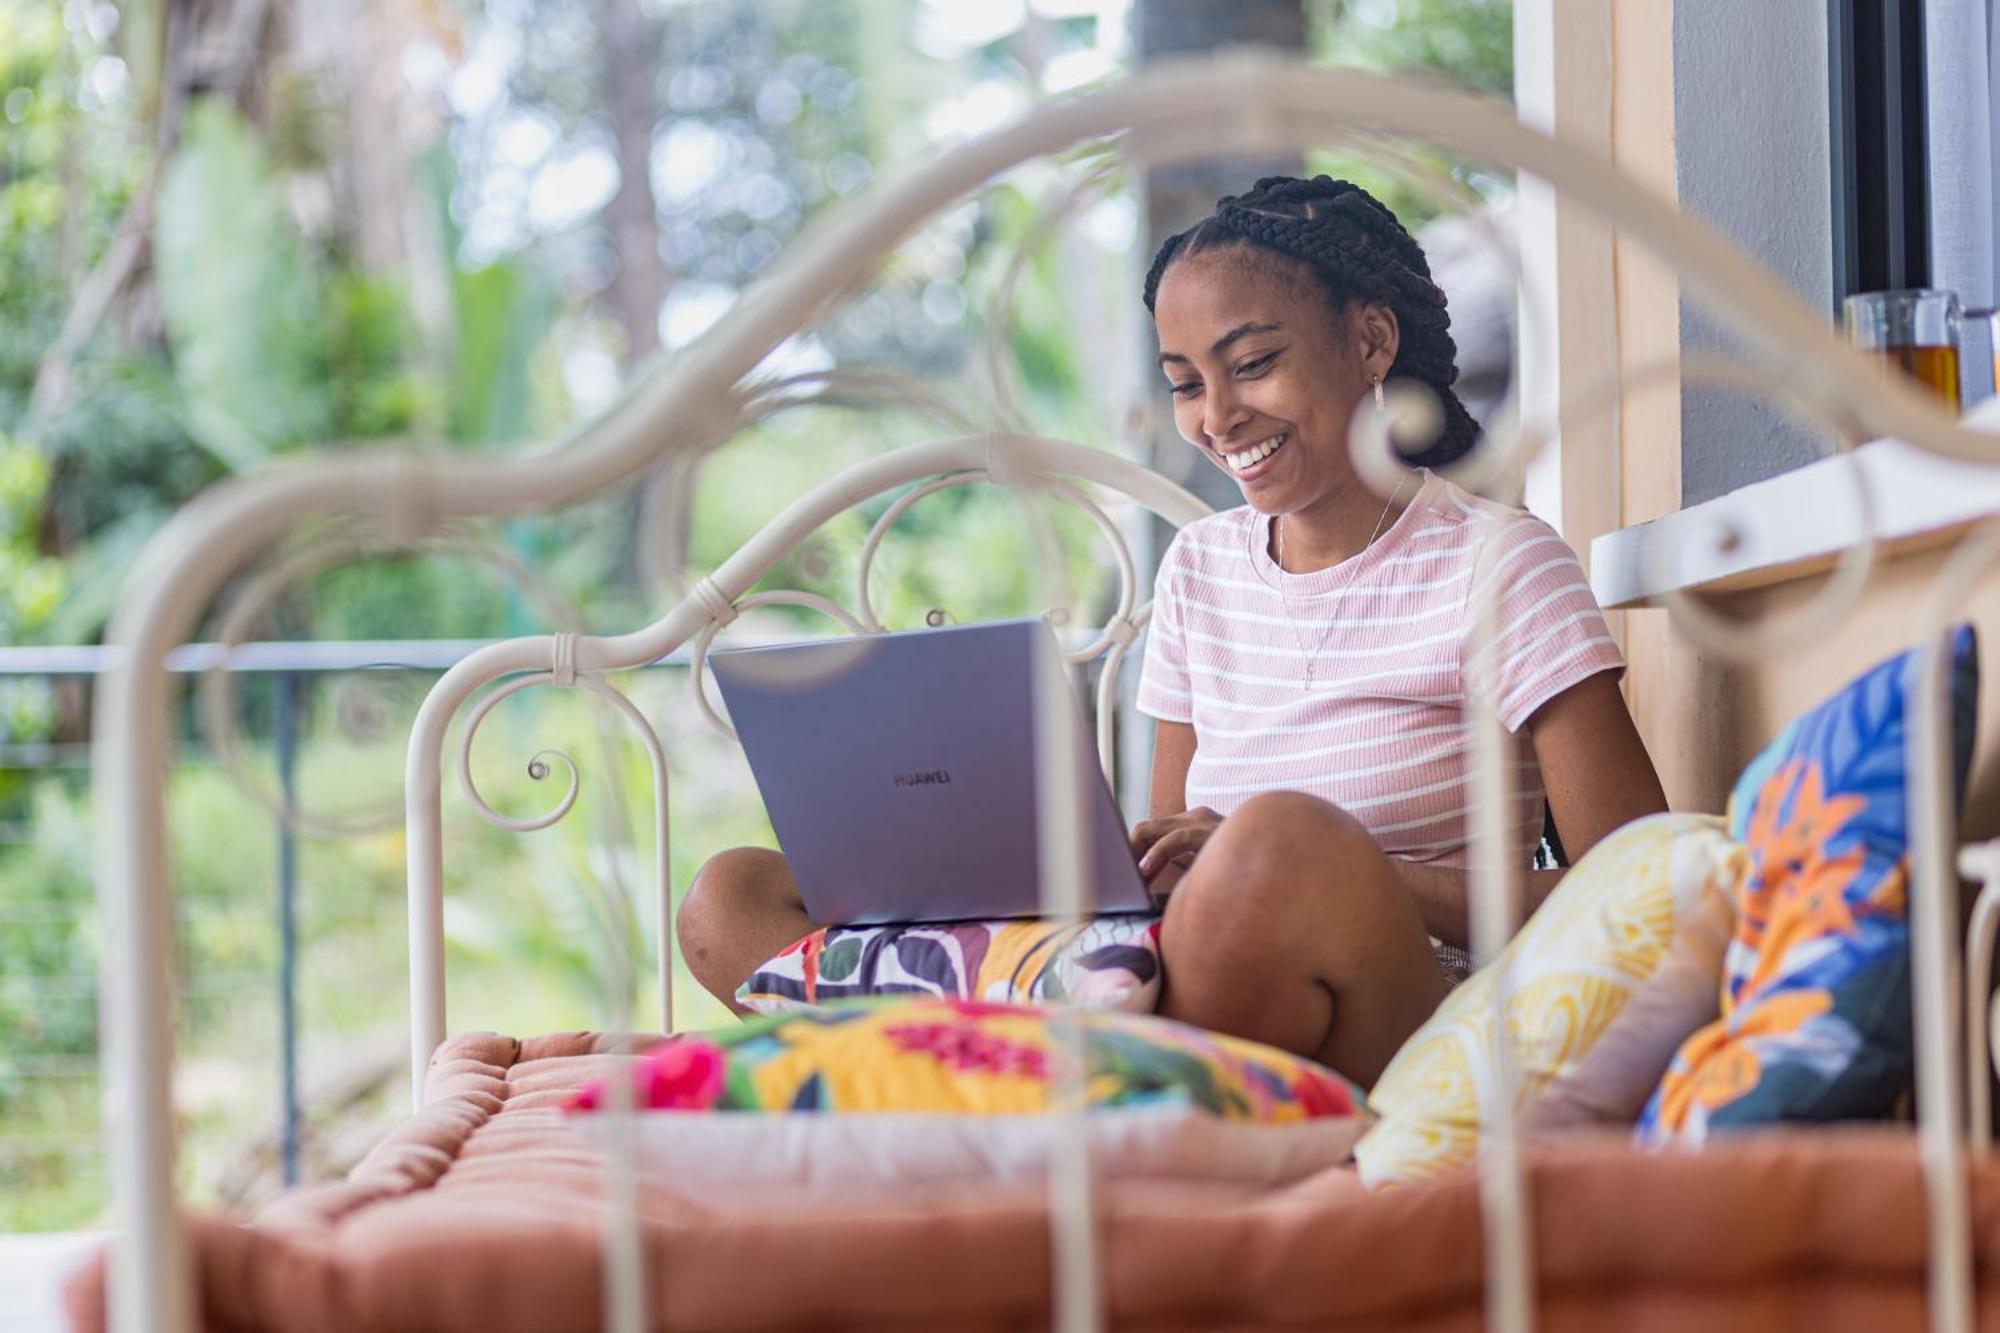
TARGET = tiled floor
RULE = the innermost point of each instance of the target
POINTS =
(32, 1268)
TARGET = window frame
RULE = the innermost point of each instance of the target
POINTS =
(1878, 146)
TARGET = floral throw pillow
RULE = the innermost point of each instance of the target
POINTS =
(918, 1055)
(1607, 977)
(1815, 1000)
(817, 1106)
(1109, 962)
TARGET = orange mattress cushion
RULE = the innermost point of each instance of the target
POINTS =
(481, 1214)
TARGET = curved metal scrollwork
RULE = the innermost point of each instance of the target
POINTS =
(1049, 218)
(1773, 634)
(698, 667)
(1124, 632)
(538, 770)
(538, 763)
(340, 545)
(666, 503)
(1128, 578)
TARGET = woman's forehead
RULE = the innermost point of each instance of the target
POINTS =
(1221, 289)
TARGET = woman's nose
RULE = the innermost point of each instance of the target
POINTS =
(1220, 411)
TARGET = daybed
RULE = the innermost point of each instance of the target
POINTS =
(486, 1213)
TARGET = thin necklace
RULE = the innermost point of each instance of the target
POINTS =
(1291, 623)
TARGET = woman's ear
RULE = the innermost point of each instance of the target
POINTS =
(1377, 335)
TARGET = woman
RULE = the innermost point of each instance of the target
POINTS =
(1304, 665)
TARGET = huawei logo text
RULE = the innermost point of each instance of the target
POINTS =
(936, 777)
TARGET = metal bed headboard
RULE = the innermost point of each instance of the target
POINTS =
(1236, 103)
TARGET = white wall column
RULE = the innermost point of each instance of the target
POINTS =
(1567, 346)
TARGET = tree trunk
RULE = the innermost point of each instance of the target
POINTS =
(630, 47)
(1180, 193)
(1175, 197)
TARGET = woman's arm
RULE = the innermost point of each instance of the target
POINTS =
(1596, 769)
(1598, 776)
(1167, 840)
(1173, 752)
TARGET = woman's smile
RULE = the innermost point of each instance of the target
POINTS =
(1249, 461)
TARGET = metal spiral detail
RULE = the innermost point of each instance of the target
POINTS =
(697, 667)
(538, 763)
(1128, 576)
(338, 545)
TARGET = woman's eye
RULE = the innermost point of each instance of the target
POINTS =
(1184, 388)
(1257, 365)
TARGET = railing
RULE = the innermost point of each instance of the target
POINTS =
(293, 671)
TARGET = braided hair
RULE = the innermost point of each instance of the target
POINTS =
(1357, 251)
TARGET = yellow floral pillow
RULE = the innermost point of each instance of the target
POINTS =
(1610, 975)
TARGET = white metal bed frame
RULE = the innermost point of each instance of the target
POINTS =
(1240, 102)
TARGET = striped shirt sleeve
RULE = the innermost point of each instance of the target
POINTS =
(1549, 632)
(1164, 688)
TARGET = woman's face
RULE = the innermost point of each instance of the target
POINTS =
(1264, 377)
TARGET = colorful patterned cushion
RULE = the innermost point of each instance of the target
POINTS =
(1815, 998)
(945, 1090)
(1611, 972)
(904, 1055)
(799, 1154)
(1111, 962)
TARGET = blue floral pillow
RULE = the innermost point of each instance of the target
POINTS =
(1815, 1018)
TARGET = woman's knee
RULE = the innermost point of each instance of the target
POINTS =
(742, 908)
(1289, 837)
(740, 870)
(1283, 867)
(729, 886)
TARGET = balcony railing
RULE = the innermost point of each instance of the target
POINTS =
(292, 671)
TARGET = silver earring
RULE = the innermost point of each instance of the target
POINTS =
(1377, 381)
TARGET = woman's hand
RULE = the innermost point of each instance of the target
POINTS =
(1172, 840)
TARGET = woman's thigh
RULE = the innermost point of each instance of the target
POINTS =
(1293, 928)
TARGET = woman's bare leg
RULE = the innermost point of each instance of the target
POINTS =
(1292, 929)
(742, 909)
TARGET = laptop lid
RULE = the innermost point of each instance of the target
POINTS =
(899, 773)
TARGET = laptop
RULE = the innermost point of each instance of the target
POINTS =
(899, 773)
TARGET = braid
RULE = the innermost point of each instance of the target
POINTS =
(1357, 250)
(1169, 251)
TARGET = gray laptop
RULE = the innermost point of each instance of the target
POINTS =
(899, 773)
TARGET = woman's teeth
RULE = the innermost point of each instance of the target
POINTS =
(1256, 453)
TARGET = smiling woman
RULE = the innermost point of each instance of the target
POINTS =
(1308, 666)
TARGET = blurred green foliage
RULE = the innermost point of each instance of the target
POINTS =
(31, 584)
(245, 326)
(1469, 43)
(1463, 44)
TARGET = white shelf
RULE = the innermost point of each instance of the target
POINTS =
(1797, 523)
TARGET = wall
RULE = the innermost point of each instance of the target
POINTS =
(1751, 119)
(1723, 106)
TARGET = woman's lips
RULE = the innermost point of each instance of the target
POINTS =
(1262, 465)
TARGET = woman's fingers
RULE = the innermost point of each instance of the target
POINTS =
(1161, 842)
(1161, 885)
(1149, 831)
(1180, 842)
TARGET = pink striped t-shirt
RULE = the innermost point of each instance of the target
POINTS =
(1381, 730)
